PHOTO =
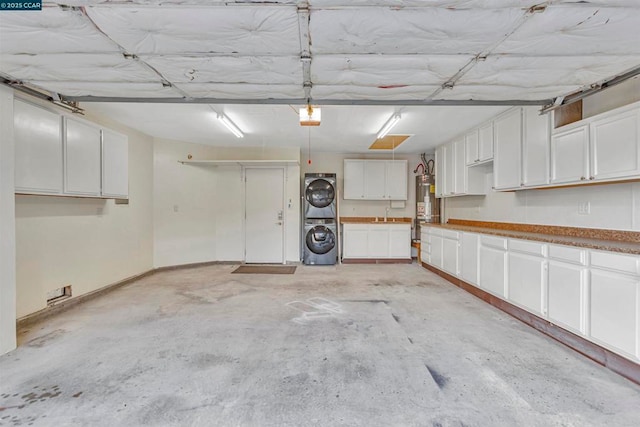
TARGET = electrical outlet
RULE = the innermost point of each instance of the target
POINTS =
(584, 208)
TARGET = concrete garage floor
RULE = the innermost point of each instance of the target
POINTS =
(351, 345)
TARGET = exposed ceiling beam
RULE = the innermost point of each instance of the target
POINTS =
(304, 101)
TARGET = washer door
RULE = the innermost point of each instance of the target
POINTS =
(320, 240)
(320, 193)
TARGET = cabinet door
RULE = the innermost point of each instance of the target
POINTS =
(400, 241)
(396, 179)
(469, 258)
(570, 155)
(615, 146)
(439, 157)
(493, 264)
(566, 293)
(378, 242)
(614, 310)
(82, 158)
(436, 251)
(526, 281)
(471, 147)
(459, 168)
(354, 239)
(353, 179)
(38, 149)
(450, 257)
(374, 179)
(115, 165)
(449, 175)
(535, 147)
(485, 142)
(507, 157)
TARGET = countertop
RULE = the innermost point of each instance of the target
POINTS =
(607, 240)
(372, 220)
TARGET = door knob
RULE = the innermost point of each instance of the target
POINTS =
(278, 223)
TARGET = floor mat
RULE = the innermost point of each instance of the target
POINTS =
(265, 269)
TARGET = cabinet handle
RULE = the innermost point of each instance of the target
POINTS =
(582, 178)
(592, 177)
(476, 160)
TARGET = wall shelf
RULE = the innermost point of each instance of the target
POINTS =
(240, 162)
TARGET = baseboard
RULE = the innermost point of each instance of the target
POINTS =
(377, 260)
(605, 357)
(71, 302)
(195, 265)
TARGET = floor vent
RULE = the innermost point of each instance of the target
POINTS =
(58, 295)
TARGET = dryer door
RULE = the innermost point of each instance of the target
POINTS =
(320, 193)
(320, 239)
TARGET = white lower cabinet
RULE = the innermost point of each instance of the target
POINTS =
(436, 251)
(592, 293)
(450, 254)
(469, 258)
(493, 265)
(527, 278)
(376, 241)
(355, 238)
(614, 310)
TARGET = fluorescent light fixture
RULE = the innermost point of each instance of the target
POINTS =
(310, 116)
(230, 125)
(388, 126)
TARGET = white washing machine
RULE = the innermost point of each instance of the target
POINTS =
(320, 195)
(320, 242)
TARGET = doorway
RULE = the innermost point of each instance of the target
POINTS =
(264, 215)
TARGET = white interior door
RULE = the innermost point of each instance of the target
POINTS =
(264, 219)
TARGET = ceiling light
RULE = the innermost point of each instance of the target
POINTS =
(388, 126)
(230, 125)
(310, 116)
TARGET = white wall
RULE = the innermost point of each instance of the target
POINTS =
(85, 243)
(208, 224)
(334, 163)
(7, 225)
(613, 206)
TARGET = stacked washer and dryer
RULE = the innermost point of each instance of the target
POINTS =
(319, 219)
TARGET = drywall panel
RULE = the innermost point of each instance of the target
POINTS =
(229, 197)
(7, 225)
(85, 243)
(184, 204)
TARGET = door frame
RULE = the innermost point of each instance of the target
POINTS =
(284, 210)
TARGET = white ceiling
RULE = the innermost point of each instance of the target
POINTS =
(210, 53)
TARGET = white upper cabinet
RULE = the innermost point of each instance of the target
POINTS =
(615, 145)
(508, 150)
(396, 183)
(60, 155)
(354, 179)
(82, 158)
(471, 147)
(536, 133)
(570, 155)
(38, 152)
(439, 159)
(460, 185)
(485, 142)
(479, 144)
(375, 179)
(115, 165)
(605, 147)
